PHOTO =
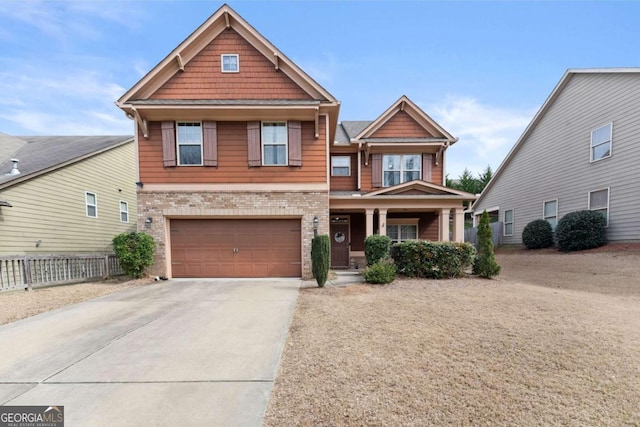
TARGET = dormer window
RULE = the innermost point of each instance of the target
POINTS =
(230, 63)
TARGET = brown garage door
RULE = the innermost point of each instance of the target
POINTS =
(235, 248)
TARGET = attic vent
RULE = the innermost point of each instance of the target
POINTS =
(14, 168)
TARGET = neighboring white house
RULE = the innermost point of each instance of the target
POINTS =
(580, 151)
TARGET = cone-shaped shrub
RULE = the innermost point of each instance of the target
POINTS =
(320, 258)
(485, 264)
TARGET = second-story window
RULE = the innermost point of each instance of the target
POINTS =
(601, 142)
(274, 143)
(189, 143)
(340, 166)
(399, 168)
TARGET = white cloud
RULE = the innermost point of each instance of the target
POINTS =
(486, 133)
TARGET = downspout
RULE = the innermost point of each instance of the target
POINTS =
(359, 166)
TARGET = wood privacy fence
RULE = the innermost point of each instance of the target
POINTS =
(471, 234)
(26, 272)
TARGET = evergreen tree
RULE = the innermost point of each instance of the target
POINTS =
(485, 264)
(484, 178)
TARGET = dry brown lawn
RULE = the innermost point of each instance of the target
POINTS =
(16, 305)
(554, 340)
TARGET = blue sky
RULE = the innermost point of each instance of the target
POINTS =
(481, 69)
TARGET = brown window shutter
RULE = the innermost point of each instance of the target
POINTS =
(210, 143)
(169, 144)
(427, 162)
(253, 140)
(294, 129)
(376, 170)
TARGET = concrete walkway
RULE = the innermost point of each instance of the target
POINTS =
(179, 353)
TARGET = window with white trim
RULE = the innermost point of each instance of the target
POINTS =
(274, 143)
(189, 143)
(340, 166)
(91, 201)
(599, 201)
(399, 168)
(230, 63)
(508, 222)
(550, 213)
(601, 142)
(124, 211)
(401, 229)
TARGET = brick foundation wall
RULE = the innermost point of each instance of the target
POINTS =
(160, 206)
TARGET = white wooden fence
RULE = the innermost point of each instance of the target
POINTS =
(26, 272)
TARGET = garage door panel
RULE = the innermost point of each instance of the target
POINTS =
(236, 248)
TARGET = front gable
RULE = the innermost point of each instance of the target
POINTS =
(421, 188)
(203, 78)
(402, 125)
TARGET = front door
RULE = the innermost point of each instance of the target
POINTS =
(339, 230)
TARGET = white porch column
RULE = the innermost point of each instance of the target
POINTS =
(458, 225)
(382, 222)
(369, 222)
(443, 222)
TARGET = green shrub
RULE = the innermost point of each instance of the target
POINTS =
(581, 230)
(381, 272)
(485, 264)
(376, 247)
(537, 234)
(134, 251)
(320, 258)
(435, 260)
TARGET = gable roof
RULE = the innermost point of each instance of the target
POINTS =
(347, 130)
(428, 188)
(415, 112)
(9, 145)
(41, 154)
(225, 17)
(540, 114)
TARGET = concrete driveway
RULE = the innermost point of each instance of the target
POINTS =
(178, 353)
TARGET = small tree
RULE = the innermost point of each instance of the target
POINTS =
(376, 247)
(485, 264)
(134, 251)
(320, 258)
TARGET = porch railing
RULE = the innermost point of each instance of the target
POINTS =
(27, 271)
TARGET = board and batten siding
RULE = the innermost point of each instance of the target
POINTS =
(51, 207)
(554, 161)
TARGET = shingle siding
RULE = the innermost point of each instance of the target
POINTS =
(554, 161)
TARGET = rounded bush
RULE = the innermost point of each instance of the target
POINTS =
(537, 234)
(376, 247)
(381, 272)
(581, 230)
(134, 251)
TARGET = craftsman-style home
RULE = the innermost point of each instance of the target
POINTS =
(241, 159)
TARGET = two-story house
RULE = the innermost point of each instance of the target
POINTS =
(579, 152)
(241, 159)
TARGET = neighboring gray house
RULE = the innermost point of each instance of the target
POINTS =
(580, 151)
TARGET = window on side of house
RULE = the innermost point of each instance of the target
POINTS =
(599, 201)
(550, 213)
(189, 143)
(399, 168)
(274, 144)
(230, 63)
(340, 166)
(508, 223)
(601, 142)
(400, 230)
(91, 201)
(124, 211)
